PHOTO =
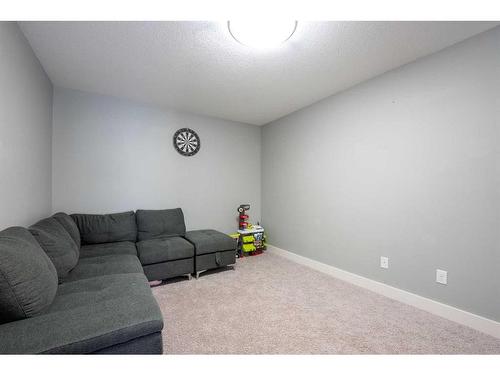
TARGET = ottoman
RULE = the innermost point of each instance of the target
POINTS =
(212, 249)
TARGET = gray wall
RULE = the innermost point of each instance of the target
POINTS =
(25, 131)
(406, 165)
(112, 155)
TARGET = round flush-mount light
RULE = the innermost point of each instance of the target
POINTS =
(261, 34)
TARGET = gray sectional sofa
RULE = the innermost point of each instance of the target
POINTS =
(79, 283)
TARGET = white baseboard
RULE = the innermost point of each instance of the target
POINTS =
(468, 319)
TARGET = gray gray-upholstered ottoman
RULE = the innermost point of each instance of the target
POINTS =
(212, 249)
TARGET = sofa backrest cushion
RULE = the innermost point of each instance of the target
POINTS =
(28, 279)
(69, 224)
(160, 223)
(106, 228)
(58, 245)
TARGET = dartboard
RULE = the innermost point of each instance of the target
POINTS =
(186, 142)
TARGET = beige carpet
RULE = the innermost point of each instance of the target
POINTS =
(270, 305)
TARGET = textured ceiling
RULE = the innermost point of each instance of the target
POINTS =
(198, 67)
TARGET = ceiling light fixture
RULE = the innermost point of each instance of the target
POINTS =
(261, 34)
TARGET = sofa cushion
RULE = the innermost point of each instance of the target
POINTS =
(57, 243)
(106, 228)
(160, 223)
(166, 270)
(111, 248)
(104, 265)
(164, 249)
(87, 316)
(69, 224)
(209, 241)
(28, 279)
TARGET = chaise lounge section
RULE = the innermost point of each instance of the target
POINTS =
(78, 284)
(59, 294)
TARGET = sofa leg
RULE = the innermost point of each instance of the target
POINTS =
(189, 276)
(155, 282)
(198, 274)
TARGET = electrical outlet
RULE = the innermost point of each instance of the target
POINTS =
(384, 262)
(441, 276)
